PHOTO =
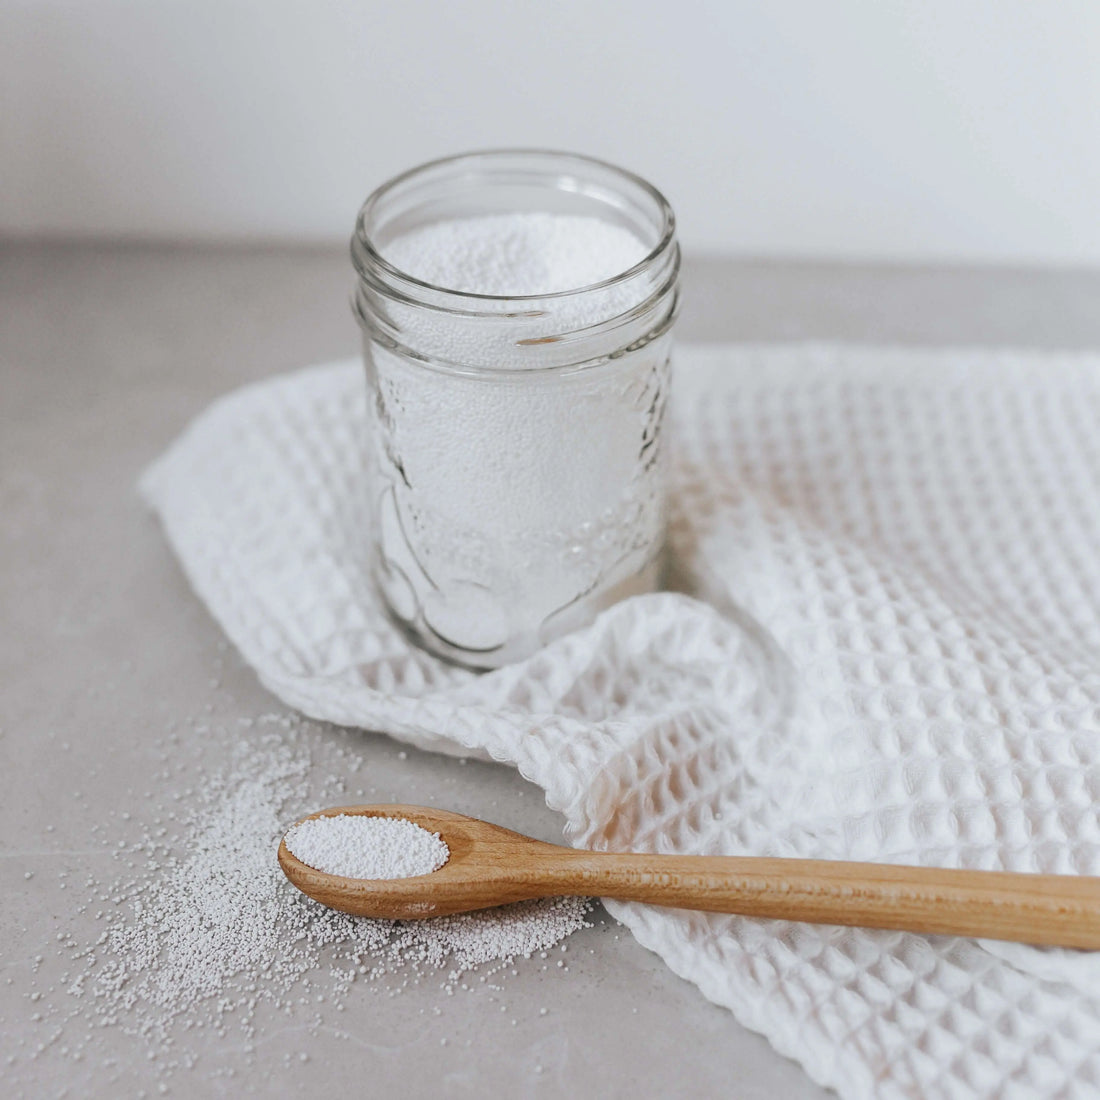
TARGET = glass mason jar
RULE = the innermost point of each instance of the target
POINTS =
(517, 464)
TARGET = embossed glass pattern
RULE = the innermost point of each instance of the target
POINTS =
(516, 455)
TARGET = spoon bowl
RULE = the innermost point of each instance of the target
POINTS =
(490, 865)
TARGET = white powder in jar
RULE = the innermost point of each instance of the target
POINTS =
(516, 254)
(511, 508)
(358, 846)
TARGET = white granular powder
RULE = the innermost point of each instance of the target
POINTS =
(357, 846)
(205, 934)
(509, 511)
(516, 254)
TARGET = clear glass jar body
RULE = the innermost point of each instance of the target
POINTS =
(516, 458)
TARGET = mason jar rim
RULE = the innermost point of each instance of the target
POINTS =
(362, 240)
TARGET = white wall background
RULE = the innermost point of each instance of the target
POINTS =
(898, 129)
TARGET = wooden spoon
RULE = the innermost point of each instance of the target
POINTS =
(491, 866)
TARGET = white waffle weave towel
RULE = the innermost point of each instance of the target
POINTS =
(890, 651)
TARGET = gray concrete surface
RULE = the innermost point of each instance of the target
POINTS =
(105, 353)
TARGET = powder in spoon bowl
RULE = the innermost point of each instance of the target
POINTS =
(357, 846)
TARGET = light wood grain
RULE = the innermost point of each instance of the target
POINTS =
(491, 866)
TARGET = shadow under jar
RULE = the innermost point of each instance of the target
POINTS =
(517, 466)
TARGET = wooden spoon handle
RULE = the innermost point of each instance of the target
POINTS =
(1062, 910)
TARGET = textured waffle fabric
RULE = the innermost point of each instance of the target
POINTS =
(887, 649)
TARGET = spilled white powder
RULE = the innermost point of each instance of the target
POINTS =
(516, 254)
(202, 932)
(367, 847)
